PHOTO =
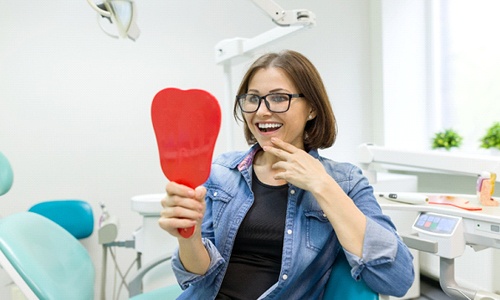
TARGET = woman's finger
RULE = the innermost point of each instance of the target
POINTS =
(287, 147)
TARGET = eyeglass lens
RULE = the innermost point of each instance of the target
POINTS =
(274, 102)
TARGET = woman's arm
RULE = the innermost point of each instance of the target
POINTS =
(368, 236)
(347, 220)
(184, 207)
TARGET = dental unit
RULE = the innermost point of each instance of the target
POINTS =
(444, 230)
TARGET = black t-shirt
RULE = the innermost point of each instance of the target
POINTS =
(255, 262)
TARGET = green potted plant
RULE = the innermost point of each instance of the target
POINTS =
(492, 137)
(446, 139)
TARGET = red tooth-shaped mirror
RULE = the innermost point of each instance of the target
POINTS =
(186, 125)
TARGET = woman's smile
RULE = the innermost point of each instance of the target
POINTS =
(268, 126)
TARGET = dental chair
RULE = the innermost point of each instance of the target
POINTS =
(44, 260)
(73, 215)
(341, 286)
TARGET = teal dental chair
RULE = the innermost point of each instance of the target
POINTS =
(73, 215)
(46, 261)
(39, 249)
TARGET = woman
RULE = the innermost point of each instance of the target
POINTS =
(271, 221)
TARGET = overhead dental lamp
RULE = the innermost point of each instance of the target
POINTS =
(288, 21)
(121, 15)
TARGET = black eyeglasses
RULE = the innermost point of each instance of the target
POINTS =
(275, 102)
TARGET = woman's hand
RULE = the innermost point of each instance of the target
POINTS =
(183, 207)
(306, 172)
(297, 166)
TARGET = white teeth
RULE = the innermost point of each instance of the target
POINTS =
(269, 125)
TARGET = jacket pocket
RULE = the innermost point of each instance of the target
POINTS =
(318, 229)
(219, 201)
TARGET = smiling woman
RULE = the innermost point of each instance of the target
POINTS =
(279, 214)
(320, 130)
(287, 124)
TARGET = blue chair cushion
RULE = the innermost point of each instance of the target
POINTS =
(341, 285)
(73, 215)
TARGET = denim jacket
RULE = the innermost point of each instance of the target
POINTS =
(310, 244)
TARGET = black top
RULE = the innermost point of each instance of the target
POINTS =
(255, 262)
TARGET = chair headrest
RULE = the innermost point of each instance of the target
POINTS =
(6, 175)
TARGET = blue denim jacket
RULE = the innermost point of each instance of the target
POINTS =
(310, 244)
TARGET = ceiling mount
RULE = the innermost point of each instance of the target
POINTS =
(122, 14)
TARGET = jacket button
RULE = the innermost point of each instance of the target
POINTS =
(292, 192)
(285, 277)
(289, 231)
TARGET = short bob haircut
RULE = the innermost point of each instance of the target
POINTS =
(320, 132)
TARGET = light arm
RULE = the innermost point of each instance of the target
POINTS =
(289, 21)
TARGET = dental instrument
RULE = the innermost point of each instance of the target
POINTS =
(410, 198)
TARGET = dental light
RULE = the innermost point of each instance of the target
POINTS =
(121, 13)
(288, 21)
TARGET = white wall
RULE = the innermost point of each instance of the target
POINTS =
(74, 103)
(399, 60)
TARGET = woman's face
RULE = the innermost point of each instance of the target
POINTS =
(287, 126)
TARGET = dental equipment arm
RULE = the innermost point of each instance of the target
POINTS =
(285, 17)
(288, 21)
(369, 154)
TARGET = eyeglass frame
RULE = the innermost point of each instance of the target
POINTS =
(290, 96)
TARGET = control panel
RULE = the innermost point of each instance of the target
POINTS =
(446, 230)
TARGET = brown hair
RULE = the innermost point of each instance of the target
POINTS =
(321, 131)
